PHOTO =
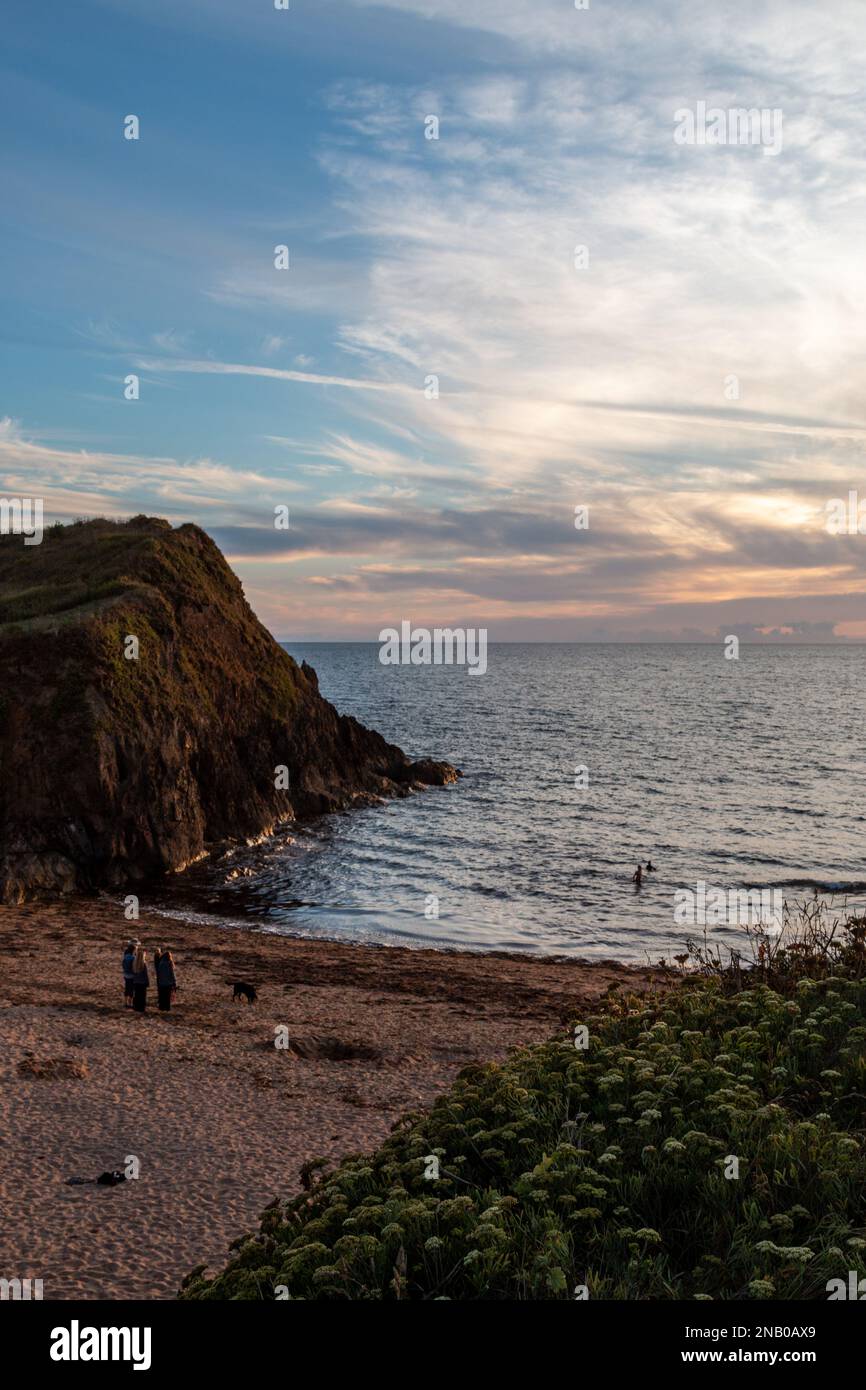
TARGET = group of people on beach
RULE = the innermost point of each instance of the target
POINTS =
(136, 977)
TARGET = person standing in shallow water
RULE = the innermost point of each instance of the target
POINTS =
(127, 967)
(140, 980)
(637, 876)
(166, 980)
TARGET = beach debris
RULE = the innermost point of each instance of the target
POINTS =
(315, 1046)
(52, 1068)
(110, 1178)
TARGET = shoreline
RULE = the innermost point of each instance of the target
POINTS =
(202, 920)
(219, 1119)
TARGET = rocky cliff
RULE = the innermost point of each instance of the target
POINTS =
(122, 760)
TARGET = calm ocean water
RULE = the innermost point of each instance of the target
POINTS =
(744, 773)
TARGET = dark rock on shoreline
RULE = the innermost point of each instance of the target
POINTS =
(116, 769)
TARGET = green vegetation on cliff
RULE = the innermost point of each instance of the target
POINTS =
(709, 1144)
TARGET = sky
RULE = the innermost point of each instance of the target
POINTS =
(441, 375)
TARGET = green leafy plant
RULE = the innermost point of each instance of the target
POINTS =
(708, 1144)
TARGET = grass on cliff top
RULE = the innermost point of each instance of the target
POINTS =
(608, 1172)
(88, 562)
(93, 582)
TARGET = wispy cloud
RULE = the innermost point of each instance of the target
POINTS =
(99, 482)
(443, 375)
(206, 367)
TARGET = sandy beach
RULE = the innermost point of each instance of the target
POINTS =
(219, 1119)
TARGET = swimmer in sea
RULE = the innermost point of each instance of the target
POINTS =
(637, 876)
(650, 865)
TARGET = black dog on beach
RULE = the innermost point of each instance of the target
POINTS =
(248, 992)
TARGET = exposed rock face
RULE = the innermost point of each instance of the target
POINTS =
(116, 770)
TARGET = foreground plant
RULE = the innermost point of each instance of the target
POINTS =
(708, 1145)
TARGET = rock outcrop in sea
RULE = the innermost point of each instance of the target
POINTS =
(147, 716)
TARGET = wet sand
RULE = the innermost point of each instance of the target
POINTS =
(219, 1119)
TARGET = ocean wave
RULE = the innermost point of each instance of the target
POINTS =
(824, 885)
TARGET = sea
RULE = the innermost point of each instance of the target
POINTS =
(579, 761)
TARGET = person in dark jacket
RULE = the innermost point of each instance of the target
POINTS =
(128, 958)
(166, 980)
(140, 980)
